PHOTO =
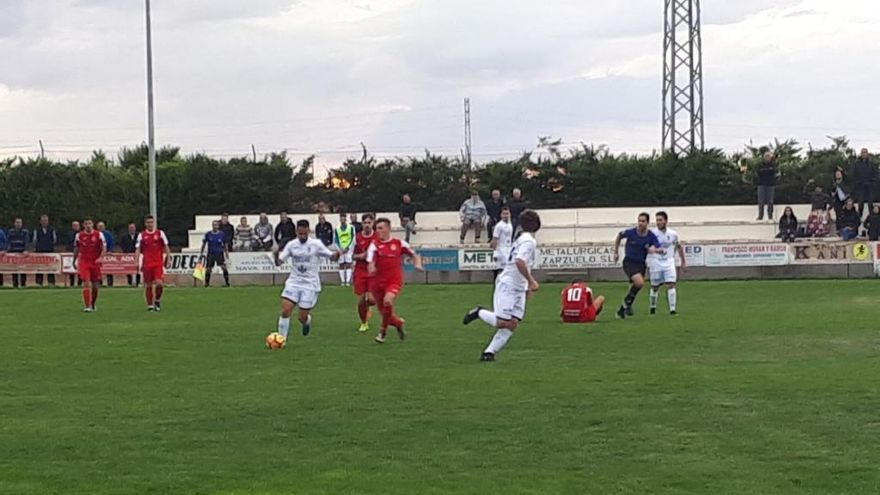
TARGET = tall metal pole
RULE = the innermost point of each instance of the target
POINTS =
(682, 77)
(467, 132)
(151, 131)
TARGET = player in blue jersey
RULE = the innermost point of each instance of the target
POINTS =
(640, 242)
(217, 251)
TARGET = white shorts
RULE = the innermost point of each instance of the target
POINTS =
(346, 258)
(303, 298)
(663, 275)
(509, 304)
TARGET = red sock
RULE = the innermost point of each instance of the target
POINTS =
(87, 297)
(94, 296)
(149, 291)
(363, 309)
(389, 318)
(159, 291)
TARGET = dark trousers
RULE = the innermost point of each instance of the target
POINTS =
(1, 280)
(74, 280)
(19, 280)
(863, 195)
(134, 280)
(39, 278)
(109, 280)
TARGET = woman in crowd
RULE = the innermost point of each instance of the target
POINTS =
(788, 225)
(872, 223)
(849, 221)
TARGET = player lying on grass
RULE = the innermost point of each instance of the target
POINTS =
(512, 288)
(578, 304)
(304, 283)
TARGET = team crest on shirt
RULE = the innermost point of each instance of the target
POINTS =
(393, 247)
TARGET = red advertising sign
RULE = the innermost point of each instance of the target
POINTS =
(111, 264)
(30, 263)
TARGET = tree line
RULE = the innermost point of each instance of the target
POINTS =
(115, 189)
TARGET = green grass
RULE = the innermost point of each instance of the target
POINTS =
(757, 387)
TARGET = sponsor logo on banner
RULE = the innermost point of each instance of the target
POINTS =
(30, 263)
(831, 252)
(111, 264)
(695, 255)
(182, 263)
(436, 260)
(576, 257)
(746, 254)
(476, 260)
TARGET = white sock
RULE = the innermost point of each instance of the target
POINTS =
(653, 297)
(283, 326)
(499, 341)
(348, 275)
(672, 296)
(342, 276)
(489, 318)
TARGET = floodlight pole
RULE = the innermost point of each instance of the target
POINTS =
(151, 131)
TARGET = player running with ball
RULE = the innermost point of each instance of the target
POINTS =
(385, 264)
(304, 283)
(512, 288)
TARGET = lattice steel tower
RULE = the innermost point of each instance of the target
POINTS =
(682, 77)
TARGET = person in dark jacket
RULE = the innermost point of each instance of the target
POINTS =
(816, 196)
(44, 241)
(355, 222)
(407, 216)
(110, 240)
(324, 230)
(128, 244)
(765, 180)
(517, 205)
(864, 175)
(493, 210)
(73, 278)
(285, 231)
(872, 223)
(228, 229)
(4, 245)
(839, 191)
(788, 225)
(849, 221)
(18, 238)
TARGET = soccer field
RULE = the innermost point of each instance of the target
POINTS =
(756, 387)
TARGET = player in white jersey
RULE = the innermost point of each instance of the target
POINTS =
(512, 288)
(662, 263)
(304, 283)
(502, 239)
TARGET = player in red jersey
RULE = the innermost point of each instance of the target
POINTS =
(579, 305)
(89, 246)
(385, 263)
(362, 277)
(153, 246)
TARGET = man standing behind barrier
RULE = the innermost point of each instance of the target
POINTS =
(73, 278)
(766, 182)
(285, 231)
(228, 229)
(44, 241)
(128, 243)
(18, 238)
(407, 216)
(517, 205)
(111, 245)
(324, 230)
(864, 175)
(493, 210)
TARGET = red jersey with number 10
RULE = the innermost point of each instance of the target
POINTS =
(152, 246)
(89, 246)
(388, 256)
(577, 304)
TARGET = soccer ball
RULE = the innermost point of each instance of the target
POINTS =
(275, 341)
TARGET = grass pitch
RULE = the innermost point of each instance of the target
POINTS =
(756, 387)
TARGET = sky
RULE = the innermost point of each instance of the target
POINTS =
(322, 76)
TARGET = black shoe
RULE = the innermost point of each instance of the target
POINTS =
(673, 313)
(629, 311)
(487, 357)
(472, 315)
(653, 311)
(621, 313)
(158, 305)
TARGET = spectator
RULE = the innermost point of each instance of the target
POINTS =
(819, 224)
(128, 243)
(358, 226)
(788, 225)
(766, 182)
(285, 231)
(324, 230)
(816, 196)
(4, 245)
(864, 174)
(493, 211)
(872, 223)
(227, 229)
(849, 221)
(263, 232)
(73, 278)
(839, 191)
(244, 235)
(517, 205)
(18, 238)
(44, 241)
(407, 216)
(473, 216)
(110, 240)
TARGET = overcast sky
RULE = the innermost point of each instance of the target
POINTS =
(320, 76)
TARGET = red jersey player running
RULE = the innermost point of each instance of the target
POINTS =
(89, 247)
(578, 304)
(385, 263)
(153, 246)
(362, 277)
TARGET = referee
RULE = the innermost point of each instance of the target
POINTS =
(640, 242)
(217, 248)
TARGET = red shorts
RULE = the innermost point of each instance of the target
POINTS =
(588, 315)
(90, 272)
(361, 282)
(379, 289)
(153, 273)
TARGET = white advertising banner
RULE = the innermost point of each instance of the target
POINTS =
(557, 258)
(472, 260)
(721, 255)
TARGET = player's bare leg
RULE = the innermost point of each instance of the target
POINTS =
(287, 307)
(599, 304)
(305, 318)
(364, 303)
(390, 317)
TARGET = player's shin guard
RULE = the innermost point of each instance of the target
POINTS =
(283, 326)
(488, 318)
(159, 290)
(208, 277)
(653, 297)
(672, 297)
(87, 298)
(631, 295)
(389, 319)
(226, 276)
(149, 294)
(499, 341)
(363, 310)
(94, 295)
